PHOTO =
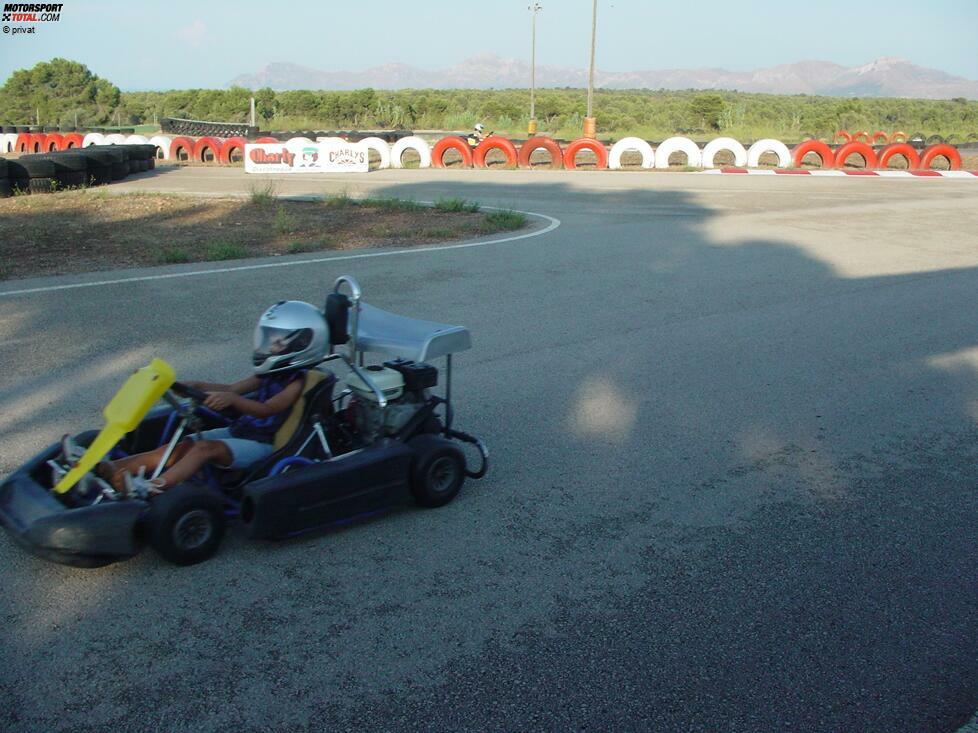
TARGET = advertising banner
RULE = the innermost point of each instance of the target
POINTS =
(296, 156)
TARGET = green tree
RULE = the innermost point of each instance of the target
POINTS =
(58, 90)
(707, 110)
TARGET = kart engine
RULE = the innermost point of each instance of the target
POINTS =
(404, 383)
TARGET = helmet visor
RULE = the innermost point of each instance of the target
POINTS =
(271, 341)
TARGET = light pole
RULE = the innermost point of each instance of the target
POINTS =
(590, 124)
(532, 125)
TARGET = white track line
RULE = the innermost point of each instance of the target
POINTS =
(553, 224)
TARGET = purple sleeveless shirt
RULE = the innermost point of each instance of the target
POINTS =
(263, 429)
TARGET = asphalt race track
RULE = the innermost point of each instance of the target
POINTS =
(735, 452)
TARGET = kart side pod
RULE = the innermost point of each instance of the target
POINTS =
(341, 489)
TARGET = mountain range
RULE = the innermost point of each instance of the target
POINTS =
(884, 77)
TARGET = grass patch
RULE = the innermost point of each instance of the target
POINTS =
(503, 221)
(339, 201)
(284, 222)
(456, 205)
(225, 251)
(391, 204)
(299, 247)
(262, 193)
(173, 256)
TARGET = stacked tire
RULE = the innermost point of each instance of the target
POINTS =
(74, 168)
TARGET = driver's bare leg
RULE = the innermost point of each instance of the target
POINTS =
(201, 452)
(113, 471)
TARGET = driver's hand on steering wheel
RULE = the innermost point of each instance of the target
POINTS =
(219, 400)
(194, 385)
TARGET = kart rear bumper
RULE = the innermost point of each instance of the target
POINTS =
(89, 536)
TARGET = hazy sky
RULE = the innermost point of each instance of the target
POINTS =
(205, 43)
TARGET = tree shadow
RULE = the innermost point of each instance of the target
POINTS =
(731, 489)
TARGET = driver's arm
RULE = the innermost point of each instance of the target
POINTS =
(243, 386)
(279, 403)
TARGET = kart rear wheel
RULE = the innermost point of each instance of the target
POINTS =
(185, 524)
(438, 471)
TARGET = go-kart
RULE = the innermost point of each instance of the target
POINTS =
(383, 438)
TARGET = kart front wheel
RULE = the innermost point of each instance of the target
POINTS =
(438, 472)
(185, 524)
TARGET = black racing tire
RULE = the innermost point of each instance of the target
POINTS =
(185, 524)
(72, 179)
(3, 167)
(43, 185)
(6, 189)
(119, 170)
(37, 166)
(151, 164)
(68, 162)
(438, 471)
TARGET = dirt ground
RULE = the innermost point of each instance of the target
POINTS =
(89, 230)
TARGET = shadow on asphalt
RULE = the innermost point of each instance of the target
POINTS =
(683, 473)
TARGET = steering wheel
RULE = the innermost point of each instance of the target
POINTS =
(199, 397)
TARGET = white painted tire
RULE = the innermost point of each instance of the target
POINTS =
(768, 146)
(382, 149)
(330, 139)
(300, 141)
(694, 156)
(136, 140)
(163, 143)
(631, 143)
(724, 143)
(7, 142)
(115, 139)
(415, 143)
(93, 138)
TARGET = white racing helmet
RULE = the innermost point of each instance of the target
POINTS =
(289, 335)
(479, 127)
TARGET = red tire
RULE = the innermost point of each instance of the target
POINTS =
(893, 149)
(23, 144)
(843, 135)
(53, 142)
(823, 151)
(37, 142)
(207, 150)
(535, 143)
(879, 135)
(452, 142)
(227, 150)
(585, 143)
(856, 148)
(936, 151)
(265, 140)
(72, 140)
(899, 134)
(181, 149)
(495, 143)
(861, 134)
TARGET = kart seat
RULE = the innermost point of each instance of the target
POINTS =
(317, 392)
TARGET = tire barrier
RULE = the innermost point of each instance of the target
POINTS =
(724, 143)
(8, 142)
(53, 142)
(768, 145)
(494, 142)
(267, 139)
(136, 140)
(844, 135)
(452, 142)
(938, 151)
(199, 128)
(38, 139)
(93, 138)
(880, 135)
(232, 151)
(207, 150)
(412, 142)
(62, 169)
(541, 143)
(181, 148)
(864, 150)
(694, 156)
(903, 137)
(72, 140)
(301, 140)
(380, 147)
(861, 134)
(162, 145)
(631, 143)
(585, 143)
(858, 173)
(23, 143)
(893, 149)
(823, 151)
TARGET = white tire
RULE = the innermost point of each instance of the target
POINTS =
(7, 142)
(162, 142)
(136, 140)
(382, 149)
(93, 138)
(724, 143)
(768, 146)
(631, 143)
(114, 139)
(415, 143)
(330, 139)
(694, 156)
(300, 141)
